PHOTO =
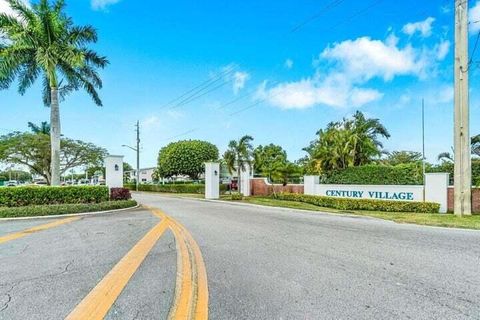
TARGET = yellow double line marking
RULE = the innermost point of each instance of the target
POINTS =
(26, 232)
(191, 292)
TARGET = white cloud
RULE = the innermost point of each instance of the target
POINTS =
(474, 18)
(150, 122)
(343, 71)
(424, 28)
(239, 80)
(288, 64)
(102, 4)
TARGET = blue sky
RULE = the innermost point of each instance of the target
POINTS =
(293, 66)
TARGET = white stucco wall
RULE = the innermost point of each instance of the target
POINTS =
(114, 171)
(212, 180)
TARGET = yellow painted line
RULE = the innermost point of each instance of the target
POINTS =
(99, 301)
(182, 307)
(191, 254)
(35, 229)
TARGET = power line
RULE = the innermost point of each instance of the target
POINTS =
(331, 5)
(357, 14)
(197, 96)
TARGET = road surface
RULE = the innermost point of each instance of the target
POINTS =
(260, 263)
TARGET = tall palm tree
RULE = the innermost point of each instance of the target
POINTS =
(42, 41)
(239, 155)
(43, 128)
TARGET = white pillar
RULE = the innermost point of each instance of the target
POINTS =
(436, 189)
(212, 180)
(114, 171)
(245, 176)
(309, 183)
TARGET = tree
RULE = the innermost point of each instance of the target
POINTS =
(186, 157)
(285, 171)
(267, 158)
(44, 42)
(44, 127)
(239, 155)
(401, 157)
(33, 151)
(350, 142)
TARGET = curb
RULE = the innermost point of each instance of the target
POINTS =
(86, 214)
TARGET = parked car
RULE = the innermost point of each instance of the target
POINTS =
(234, 185)
(11, 183)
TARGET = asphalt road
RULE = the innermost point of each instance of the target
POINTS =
(261, 263)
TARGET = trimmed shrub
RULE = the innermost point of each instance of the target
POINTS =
(120, 194)
(174, 188)
(28, 196)
(361, 204)
(402, 174)
(236, 196)
(58, 209)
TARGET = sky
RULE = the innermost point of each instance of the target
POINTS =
(276, 70)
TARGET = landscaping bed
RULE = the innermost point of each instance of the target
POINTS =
(433, 219)
(174, 188)
(59, 209)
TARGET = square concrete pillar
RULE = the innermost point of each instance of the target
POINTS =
(309, 183)
(436, 189)
(245, 176)
(212, 180)
(114, 171)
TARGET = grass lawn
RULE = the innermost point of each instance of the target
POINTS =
(439, 220)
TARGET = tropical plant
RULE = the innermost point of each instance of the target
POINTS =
(43, 128)
(350, 142)
(267, 158)
(402, 157)
(186, 157)
(474, 146)
(42, 41)
(239, 155)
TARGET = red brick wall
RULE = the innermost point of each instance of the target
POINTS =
(475, 199)
(260, 187)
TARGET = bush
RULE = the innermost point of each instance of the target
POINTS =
(59, 209)
(27, 196)
(402, 174)
(236, 196)
(120, 194)
(174, 188)
(362, 204)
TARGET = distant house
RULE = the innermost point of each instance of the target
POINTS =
(146, 175)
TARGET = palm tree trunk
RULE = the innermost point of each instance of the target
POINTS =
(55, 138)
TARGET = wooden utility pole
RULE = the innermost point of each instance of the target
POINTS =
(463, 174)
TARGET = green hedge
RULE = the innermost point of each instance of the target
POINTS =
(402, 174)
(362, 204)
(28, 196)
(59, 209)
(173, 188)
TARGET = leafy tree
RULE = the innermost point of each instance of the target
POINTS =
(267, 158)
(350, 142)
(239, 155)
(475, 150)
(285, 171)
(44, 127)
(33, 151)
(402, 157)
(18, 175)
(44, 42)
(186, 157)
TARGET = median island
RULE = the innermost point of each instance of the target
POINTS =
(34, 201)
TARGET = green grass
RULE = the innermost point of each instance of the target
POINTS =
(439, 220)
(59, 209)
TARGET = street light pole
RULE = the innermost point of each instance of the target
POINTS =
(137, 150)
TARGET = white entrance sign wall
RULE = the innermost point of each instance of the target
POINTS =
(114, 171)
(435, 190)
(212, 180)
(245, 176)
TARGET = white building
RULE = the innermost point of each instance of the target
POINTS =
(146, 175)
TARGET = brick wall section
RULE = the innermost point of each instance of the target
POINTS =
(475, 199)
(260, 187)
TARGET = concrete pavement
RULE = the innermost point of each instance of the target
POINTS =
(261, 263)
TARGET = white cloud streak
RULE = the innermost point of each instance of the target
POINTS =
(424, 28)
(102, 4)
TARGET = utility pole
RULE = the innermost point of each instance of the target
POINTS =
(138, 154)
(462, 158)
(423, 146)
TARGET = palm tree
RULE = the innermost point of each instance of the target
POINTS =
(43, 128)
(238, 155)
(41, 41)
